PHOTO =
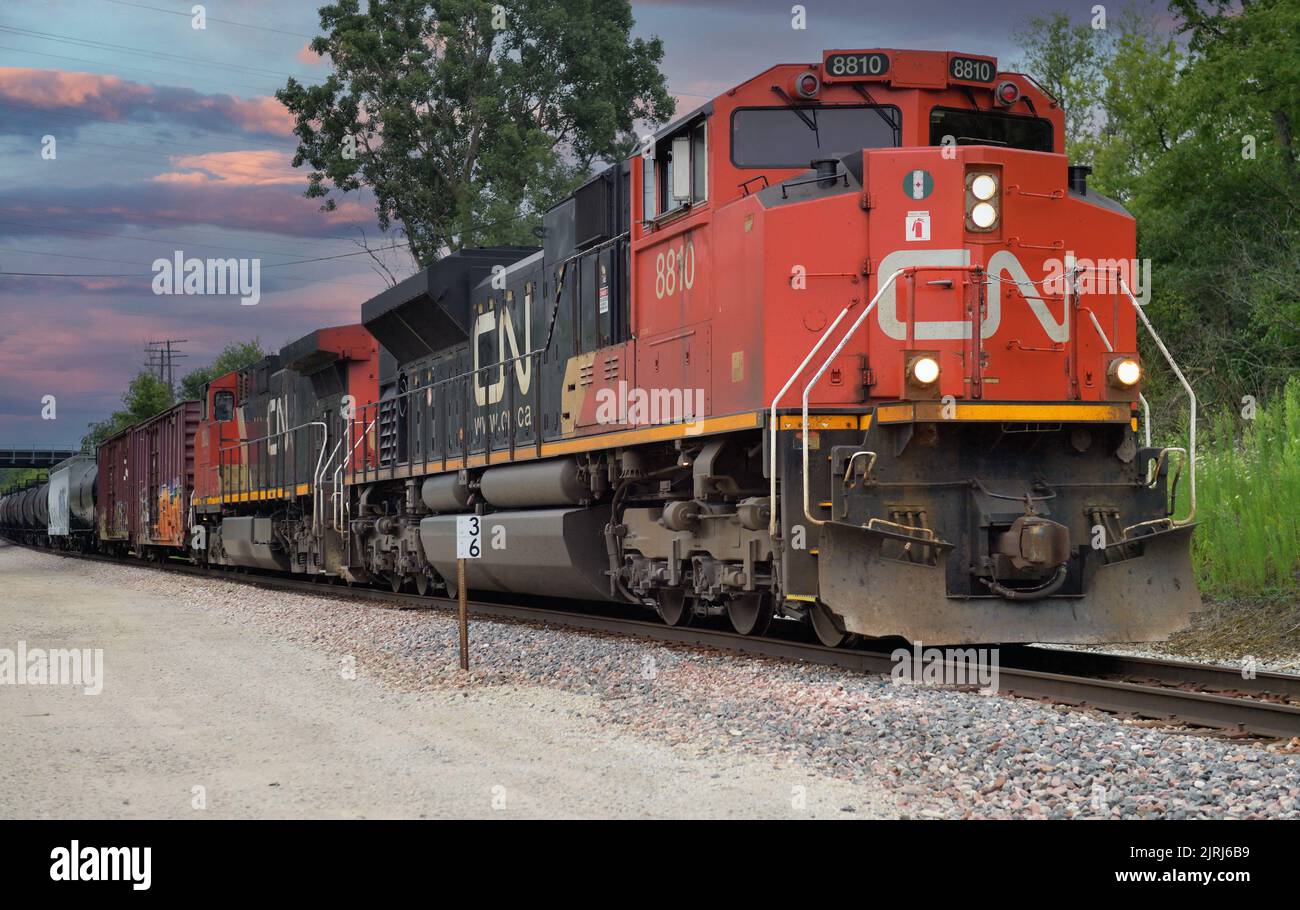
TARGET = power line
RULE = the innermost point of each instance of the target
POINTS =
(122, 218)
(163, 358)
(268, 265)
(161, 56)
(164, 241)
(473, 227)
(138, 276)
(261, 28)
(115, 66)
(287, 144)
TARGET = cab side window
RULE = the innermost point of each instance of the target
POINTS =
(678, 176)
(223, 406)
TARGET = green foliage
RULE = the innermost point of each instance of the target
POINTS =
(1067, 60)
(1248, 501)
(1198, 144)
(235, 357)
(146, 396)
(465, 118)
(19, 478)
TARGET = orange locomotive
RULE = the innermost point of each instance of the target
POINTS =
(994, 488)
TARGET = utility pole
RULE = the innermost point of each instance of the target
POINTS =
(162, 360)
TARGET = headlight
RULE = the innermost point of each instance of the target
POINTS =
(984, 187)
(983, 215)
(1126, 371)
(925, 370)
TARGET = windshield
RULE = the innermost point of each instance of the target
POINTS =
(795, 137)
(967, 127)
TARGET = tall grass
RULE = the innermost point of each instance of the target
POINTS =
(1248, 501)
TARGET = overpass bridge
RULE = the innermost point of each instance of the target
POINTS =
(34, 456)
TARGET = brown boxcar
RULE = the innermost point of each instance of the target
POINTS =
(148, 471)
(112, 457)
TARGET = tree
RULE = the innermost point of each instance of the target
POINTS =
(1067, 60)
(465, 118)
(1253, 43)
(1196, 144)
(146, 396)
(235, 356)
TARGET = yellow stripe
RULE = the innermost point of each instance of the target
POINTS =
(806, 598)
(893, 413)
(258, 495)
(821, 422)
(1028, 413)
(528, 451)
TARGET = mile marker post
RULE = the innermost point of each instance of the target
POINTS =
(469, 533)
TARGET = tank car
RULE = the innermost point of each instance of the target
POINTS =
(24, 514)
(71, 503)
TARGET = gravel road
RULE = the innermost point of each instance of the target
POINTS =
(242, 690)
(200, 692)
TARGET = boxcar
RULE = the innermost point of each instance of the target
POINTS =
(146, 478)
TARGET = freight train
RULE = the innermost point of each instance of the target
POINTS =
(852, 344)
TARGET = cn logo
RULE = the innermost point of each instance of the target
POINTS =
(277, 424)
(486, 323)
(1003, 266)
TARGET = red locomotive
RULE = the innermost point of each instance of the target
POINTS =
(851, 344)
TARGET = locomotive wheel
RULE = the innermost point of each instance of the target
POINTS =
(673, 607)
(750, 614)
(830, 631)
(422, 584)
(396, 581)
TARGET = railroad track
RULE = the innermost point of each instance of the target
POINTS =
(1200, 695)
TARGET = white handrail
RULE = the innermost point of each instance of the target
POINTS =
(807, 390)
(1191, 398)
(318, 503)
(338, 472)
(772, 425)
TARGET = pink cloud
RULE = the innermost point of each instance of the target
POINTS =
(261, 115)
(103, 96)
(114, 99)
(243, 168)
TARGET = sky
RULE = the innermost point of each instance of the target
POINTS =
(167, 137)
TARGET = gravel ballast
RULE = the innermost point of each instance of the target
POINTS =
(906, 750)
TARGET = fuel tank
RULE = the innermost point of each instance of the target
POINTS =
(548, 552)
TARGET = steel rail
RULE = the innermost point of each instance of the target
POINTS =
(1075, 678)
